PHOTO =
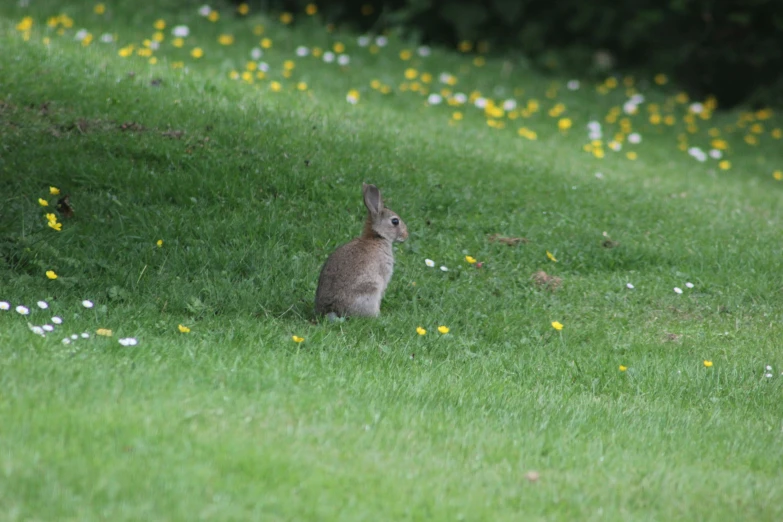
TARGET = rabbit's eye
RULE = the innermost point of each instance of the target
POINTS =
(395, 221)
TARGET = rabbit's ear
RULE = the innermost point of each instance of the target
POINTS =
(372, 199)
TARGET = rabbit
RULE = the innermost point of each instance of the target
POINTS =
(355, 276)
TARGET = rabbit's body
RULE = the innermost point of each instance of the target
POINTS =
(355, 276)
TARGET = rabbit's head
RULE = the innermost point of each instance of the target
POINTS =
(381, 221)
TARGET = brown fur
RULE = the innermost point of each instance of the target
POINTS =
(355, 276)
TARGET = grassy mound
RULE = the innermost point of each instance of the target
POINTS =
(209, 178)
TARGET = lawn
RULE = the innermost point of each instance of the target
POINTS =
(210, 175)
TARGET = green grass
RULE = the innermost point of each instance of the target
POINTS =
(366, 420)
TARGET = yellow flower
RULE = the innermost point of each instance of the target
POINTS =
(297, 339)
(57, 226)
(457, 115)
(470, 260)
(631, 155)
(214, 16)
(243, 9)
(724, 165)
(777, 133)
(178, 42)
(286, 18)
(465, 46)
(405, 54)
(197, 52)
(26, 24)
(288, 65)
(105, 332)
(302, 86)
(564, 124)
(226, 39)
(719, 144)
(420, 330)
(50, 274)
(99, 8)
(551, 256)
(266, 43)
(557, 325)
(778, 175)
(43, 202)
(160, 24)
(51, 218)
(183, 329)
(623, 368)
(311, 9)
(707, 364)
(275, 86)
(443, 329)
(159, 242)
(661, 79)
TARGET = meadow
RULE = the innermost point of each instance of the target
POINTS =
(584, 323)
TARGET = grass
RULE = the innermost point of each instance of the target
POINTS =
(250, 190)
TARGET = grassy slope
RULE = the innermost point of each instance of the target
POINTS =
(235, 419)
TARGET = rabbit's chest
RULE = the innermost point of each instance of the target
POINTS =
(386, 268)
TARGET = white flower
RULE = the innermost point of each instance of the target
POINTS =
(43, 305)
(48, 328)
(573, 85)
(637, 99)
(351, 98)
(57, 320)
(715, 154)
(424, 51)
(460, 97)
(5, 305)
(87, 303)
(689, 285)
(256, 53)
(180, 31)
(263, 66)
(128, 341)
(66, 341)
(509, 105)
(767, 375)
(381, 41)
(80, 35)
(429, 262)
(204, 10)
(594, 126)
(480, 102)
(768, 368)
(444, 77)
(107, 38)
(22, 310)
(629, 286)
(696, 108)
(635, 137)
(630, 107)
(343, 59)
(74, 336)
(599, 175)
(37, 330)
(595, 135)
(363, 41)
(697, 153)
(85, 335)
(434, 98)
(615, 146)
(154, 45)
(328, 56)
(302, 51)
(677, 290)
(445, 269)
